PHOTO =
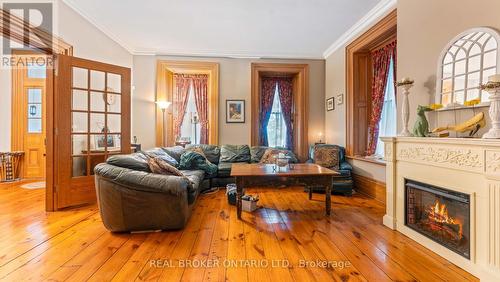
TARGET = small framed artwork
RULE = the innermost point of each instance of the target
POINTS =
(330, 105)
(235, 111)
(101, 142)
(340, 99)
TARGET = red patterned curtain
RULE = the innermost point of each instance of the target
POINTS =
(182, 83)
(285, 89)
(200, 87)
(381, 59)
(267, 90)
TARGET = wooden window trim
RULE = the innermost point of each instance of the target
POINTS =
(358, 82)
(165, 90)
(300, 73)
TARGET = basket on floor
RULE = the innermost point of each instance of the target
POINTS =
(10, 164)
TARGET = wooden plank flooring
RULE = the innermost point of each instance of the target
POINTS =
(274, 243)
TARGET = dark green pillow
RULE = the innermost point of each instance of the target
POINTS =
(192, 160)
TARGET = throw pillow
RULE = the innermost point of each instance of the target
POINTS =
(160, 153)
(327, 156)
(160, 166)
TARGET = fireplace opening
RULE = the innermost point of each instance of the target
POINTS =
(439, 214)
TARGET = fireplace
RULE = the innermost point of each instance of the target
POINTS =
(439, 214)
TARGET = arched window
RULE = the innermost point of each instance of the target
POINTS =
(466, 62)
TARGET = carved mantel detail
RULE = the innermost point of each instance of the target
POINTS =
(492, 162)
(446, 156)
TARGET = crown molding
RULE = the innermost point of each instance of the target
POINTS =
(98, 26)
(380, 10)
(235, 55)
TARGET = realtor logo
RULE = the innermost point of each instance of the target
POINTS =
(26, 26)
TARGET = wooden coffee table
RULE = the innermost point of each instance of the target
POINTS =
(263, 175)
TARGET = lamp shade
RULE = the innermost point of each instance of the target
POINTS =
(163, 104)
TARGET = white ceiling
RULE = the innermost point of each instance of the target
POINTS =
(228, 28)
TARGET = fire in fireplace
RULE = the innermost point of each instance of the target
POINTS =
(439, 214)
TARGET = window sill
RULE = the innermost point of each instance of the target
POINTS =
(368, 159)
(462, 107)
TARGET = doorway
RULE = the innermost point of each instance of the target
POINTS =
(29, 113)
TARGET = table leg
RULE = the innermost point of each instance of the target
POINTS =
(310, 192)
(239, 194)
(328, 192)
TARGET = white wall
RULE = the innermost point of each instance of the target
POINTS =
(88, 43)
(235, 75)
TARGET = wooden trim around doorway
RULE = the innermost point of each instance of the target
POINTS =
(300, 73)
(164, 92)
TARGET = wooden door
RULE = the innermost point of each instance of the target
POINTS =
(29, 116)
(92, 122)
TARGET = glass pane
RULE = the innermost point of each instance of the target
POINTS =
(460, 55)
(446, 99)
(475, 50)
(485, 96)
(37, 70)
(99, 143)
(460, 67)
(114, 83)
(97, 80)
(447, 70)
(448, 58)
(490, 59)
(80, 122)
(95, 160)
(97, 123)
(491, 44)
(80, 77)
(477, 36)
(487, 74)
(483, 38)
(114, 103)
(34, 110)
(473, 80)
(80, 100)
(459, 97)
(460, 82)
(79, 166)
(446, 86)
(97, 102)
(453, 49)
(35, 95)
(34, 125)
(114, 139)
(114, 123)
(474, 63)
(80, 144)
(472, 94)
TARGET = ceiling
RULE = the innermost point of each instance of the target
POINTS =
(227, 28)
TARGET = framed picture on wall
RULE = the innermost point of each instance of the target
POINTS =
(330, 105)
(235, 111)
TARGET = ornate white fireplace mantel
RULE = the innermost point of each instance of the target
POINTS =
(470, 166)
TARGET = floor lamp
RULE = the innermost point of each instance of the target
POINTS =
(163, 105)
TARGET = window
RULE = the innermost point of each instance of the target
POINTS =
(190, 128)
(276, 129)
(387, 124)
(467, 62)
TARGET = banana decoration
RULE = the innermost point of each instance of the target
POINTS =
(472, 125)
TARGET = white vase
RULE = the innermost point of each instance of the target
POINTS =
(494, 132)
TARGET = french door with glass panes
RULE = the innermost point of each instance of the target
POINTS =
(92, 122)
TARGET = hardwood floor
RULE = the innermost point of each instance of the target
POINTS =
(73, 245)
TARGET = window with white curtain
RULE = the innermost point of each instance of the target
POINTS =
(190, 128)
(466, 62)
(387, 123)
(276, 128)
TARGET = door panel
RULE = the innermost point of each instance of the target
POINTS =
(92, 119)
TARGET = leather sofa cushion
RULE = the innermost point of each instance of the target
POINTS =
(224, 169)
(235, 154)
(135, 161)
(256, 153)
(196, 178)
(175, 152)
(212, 152)
(160, 153)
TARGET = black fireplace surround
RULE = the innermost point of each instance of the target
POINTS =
(439, 214)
